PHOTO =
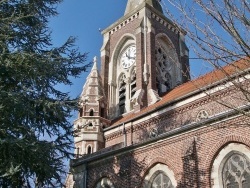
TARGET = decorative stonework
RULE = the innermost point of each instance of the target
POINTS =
(154, 96)
(137, 97)
(164, 65)
(202, 115)
(236, 171)
(124, 23)
(153, 133)
(169, 26)
(231, 168)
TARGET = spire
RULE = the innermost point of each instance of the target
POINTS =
(133, 4)
(93, 86)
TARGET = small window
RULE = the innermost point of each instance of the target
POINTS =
(102, 112)
(91, 112)
(89, 150)
(90, 125)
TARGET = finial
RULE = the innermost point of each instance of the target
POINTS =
(95, 63)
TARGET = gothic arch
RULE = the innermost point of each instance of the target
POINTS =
(165, 38)
(122, 43)
(167, 62)
(89, 149)
(231, 158)
(159, 172)
(214, 151)
(164, 161)
(91, 112)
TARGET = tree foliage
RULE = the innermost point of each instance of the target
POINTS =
(34, 127)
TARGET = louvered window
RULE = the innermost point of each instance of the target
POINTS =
(133, 84)
(122, 94)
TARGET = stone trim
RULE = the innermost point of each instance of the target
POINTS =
(166, 24)
(218, 163)
(124, 23)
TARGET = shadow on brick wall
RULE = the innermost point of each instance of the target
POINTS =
(191, 173)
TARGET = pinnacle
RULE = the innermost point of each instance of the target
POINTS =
(95, 64)
(133, 4)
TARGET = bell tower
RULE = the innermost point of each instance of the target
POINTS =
(91, 117)
(143, 56)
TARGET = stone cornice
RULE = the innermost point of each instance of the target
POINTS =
(135, 14)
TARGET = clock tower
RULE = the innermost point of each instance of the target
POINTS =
(143, 57)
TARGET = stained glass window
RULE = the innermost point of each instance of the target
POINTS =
(236, 172)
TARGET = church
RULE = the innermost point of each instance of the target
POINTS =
(143, 123)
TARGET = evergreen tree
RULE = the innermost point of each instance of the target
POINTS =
(34, 127)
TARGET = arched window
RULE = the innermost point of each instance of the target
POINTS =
(89, 150)
(104, 183)
(168, 68)
(236, 171)
(91, 112)
(231, 167)
(160, 180)
(163, 67)
(160, 176)
(122, 93)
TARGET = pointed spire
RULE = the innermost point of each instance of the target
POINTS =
(95, 64)
(93, 84)
(133, 4)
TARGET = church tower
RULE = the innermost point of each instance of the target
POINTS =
(143, 57)
(91, 118)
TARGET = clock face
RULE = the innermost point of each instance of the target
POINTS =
(128, 57)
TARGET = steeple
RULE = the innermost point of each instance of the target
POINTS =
(91, 119)
(133, 4)
(93, 86)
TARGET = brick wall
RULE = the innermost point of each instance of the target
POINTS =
(189, 155)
